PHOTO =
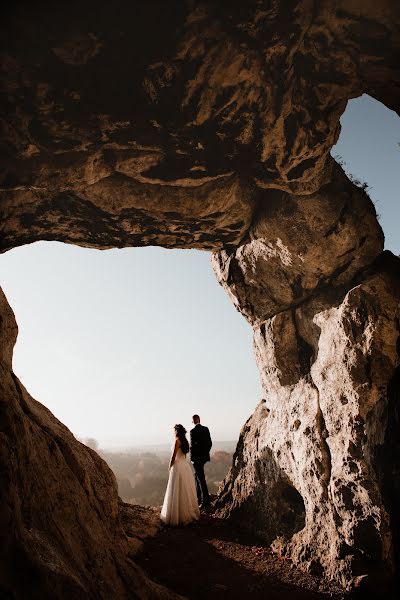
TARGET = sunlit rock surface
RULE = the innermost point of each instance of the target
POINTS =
(209, 125)
(316, 466)
(298, 245)
(119, 211)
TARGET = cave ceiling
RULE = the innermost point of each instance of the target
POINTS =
(158, 123)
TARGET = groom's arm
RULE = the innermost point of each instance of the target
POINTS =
(192, 444)
(209, 442)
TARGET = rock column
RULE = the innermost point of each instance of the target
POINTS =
(312, 473)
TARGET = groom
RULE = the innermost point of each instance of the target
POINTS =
(200, 446)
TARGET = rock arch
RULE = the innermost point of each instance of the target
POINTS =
(209, 126)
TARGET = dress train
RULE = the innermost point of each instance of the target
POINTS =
(180, 502)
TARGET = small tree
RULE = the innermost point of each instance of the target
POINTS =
(92, 443)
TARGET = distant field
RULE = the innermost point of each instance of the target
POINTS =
(227, 446)
(142, 473)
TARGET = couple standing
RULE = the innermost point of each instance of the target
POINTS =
(182, 497)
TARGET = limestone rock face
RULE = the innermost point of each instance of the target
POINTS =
(61, 530)
(119, 211)
(209, 125)
(298, 245)
(133, 128)
(312, 456)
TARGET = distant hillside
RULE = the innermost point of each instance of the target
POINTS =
(142, 472)
(226, 446)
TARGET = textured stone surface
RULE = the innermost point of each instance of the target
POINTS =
(313, 457)
(62, 535)
(298, 245)
(119, 211)
(209, 125)
(127, 134)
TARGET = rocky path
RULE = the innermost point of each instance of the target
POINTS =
(208, 560)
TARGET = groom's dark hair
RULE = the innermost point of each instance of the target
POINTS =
(196, 418)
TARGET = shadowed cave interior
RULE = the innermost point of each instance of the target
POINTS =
(214, 133)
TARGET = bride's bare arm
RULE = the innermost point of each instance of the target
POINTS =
(177, 445)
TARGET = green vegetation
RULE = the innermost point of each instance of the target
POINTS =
(142, 476)
(363, 185)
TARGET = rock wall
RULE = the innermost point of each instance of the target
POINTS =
(61, 529)
(208, 125)
(311, 473)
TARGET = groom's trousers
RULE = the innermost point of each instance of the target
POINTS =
(203, 496)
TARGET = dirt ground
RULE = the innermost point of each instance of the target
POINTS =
(208, 560)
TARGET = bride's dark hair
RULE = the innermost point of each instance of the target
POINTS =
(180, 434)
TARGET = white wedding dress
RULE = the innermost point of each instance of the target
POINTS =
(180, 503)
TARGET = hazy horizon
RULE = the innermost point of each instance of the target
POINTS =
(161, 446)
(122, 344)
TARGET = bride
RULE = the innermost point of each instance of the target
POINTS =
(180, 503)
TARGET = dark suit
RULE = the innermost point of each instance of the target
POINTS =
(200, 446)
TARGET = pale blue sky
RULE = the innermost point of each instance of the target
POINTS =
(122, 344)
(369, 144)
